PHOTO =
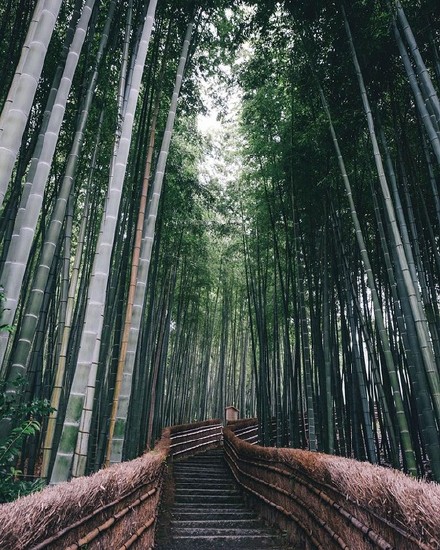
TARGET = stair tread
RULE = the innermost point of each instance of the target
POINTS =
(215, 522)
(213, 513)
(206, 491)
(209, 511)
(238, 507)
(221, 531)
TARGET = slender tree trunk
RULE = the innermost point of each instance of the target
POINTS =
(403, 263)
(135, 267)
(28, 327)
(60, 374)
(78, 416)
(143, 269)
(425, 79)
(21, 96)
(21, 243)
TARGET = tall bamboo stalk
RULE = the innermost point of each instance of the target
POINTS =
(24, 86)
(403, 264)
(74, 439)
(23, 237)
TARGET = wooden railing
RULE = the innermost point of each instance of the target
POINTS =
(189, 439)
(110, 509)
(314, 513)
(117, 506)
(142, 497)
(113, 508)
(246, 430)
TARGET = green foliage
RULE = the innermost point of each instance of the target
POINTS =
(26, 419)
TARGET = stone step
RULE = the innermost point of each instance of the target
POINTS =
(201, 462)
(207, 499)
(201, 477)
(217, 463)
(216, 488)
(205, 457)
(201, 480)
(212, 484)
(202, 473)
(209, 507)
(213, 516)
(230, 523)
(254, 542)
(220, 532)
(220, 461)
(205, 491)
(209, 511)
(213, 512)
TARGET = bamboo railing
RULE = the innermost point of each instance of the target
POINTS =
(291, 488)
(113, 508)
(189, 439)
(315, 514)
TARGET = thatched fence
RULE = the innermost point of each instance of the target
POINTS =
(329, 502)
(115, 508)
(190, 439)
(323, 502)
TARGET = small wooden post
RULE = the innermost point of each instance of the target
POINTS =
(231, 414)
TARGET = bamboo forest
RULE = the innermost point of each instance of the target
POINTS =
(218, 203)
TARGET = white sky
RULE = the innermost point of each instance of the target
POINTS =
(221, 160)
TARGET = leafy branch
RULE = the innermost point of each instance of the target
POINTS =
(24, 419)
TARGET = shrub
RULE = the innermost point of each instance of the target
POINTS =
(19, 421)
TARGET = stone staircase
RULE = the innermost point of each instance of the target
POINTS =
(209, 510)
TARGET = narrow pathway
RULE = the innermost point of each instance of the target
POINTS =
(209, 511)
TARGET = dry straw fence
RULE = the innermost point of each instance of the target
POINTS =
(329, 502)
(116, 508)
(323, 502)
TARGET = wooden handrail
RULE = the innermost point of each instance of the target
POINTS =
(306, 507)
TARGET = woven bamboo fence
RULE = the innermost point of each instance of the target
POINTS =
(329, 502)
(116, 508)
